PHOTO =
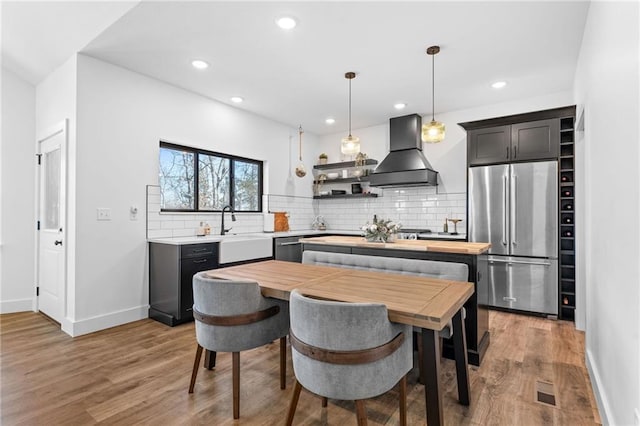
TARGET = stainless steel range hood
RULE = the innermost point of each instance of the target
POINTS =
(405, 165)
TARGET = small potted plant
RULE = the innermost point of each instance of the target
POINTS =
(322, 158)
(381, 231)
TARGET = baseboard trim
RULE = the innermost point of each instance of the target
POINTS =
(596, 384)
(16, 305)
(97, 323)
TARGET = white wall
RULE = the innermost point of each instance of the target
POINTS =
(55, 102)
(607, 86)
(449, 157)
(17, 181)
(121, 118)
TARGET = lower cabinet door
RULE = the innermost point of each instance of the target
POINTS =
(188, 268)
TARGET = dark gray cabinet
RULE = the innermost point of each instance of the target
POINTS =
(534, 140)
(171, 271)
(490, 145)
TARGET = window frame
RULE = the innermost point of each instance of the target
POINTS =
(196, 176)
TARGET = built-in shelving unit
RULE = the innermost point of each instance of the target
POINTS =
(348, 167)
(567, 263)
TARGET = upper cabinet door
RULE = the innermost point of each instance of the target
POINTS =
(535, 140)
(489, 145)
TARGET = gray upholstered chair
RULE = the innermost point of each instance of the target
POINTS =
(347, 351)
(417, 267)
(233, 316)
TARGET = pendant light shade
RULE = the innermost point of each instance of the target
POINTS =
(351, 144)
(434, 131)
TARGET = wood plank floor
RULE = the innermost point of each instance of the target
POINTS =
(139, 374)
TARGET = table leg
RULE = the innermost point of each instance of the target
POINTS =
(432, 388)
(460, 350)
(209, 359)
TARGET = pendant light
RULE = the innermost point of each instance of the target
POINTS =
(434, 131)
(351, 144)
(300, 169)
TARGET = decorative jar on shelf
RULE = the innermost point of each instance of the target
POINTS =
(322, 158)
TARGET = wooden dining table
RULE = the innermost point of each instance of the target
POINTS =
(428, 303)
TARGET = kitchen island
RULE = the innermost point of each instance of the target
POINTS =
(472, 254)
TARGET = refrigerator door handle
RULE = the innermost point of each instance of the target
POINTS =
(506, 209)
(521, 262)
(514, 205)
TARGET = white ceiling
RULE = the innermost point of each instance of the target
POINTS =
(297, 77)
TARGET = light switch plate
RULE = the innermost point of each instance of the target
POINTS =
(104, 214)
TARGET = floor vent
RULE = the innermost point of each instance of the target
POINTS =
(545, 393)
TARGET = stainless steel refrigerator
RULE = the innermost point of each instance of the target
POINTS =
(515, 208)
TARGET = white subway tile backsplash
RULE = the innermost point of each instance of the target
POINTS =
(183, 232)
(159, 233)
(413, 207)
(169, 224)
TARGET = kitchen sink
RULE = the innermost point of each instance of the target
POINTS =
(238, 248)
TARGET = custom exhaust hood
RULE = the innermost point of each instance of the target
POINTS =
(405, 165)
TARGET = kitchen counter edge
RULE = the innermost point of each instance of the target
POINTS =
(297, 233)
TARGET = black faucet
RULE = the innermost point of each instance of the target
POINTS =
(233, 218)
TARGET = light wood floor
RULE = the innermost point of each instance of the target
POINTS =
(139, 374)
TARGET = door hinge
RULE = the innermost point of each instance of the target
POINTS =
(39, 158)
(37, 291)
(38, 225)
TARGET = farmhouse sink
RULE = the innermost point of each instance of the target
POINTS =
(238, 248)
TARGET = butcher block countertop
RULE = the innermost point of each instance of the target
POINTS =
(415, 245)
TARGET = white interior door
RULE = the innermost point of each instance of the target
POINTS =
(51, 215)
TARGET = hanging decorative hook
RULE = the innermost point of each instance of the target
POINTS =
(300, 169)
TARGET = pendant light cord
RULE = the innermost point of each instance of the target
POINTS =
(300, 142)
(350, 108)
(433, 88)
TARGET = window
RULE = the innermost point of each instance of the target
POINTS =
(197, 180)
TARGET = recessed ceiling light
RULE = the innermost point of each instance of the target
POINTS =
(330, 120)
(286, 22)
(236, 99)
(199, 64)
(499, 84)
(400, 105)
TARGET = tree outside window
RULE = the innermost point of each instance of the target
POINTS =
(217, 181)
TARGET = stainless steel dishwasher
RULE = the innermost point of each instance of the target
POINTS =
(288, 249)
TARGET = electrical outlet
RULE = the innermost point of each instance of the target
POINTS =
(104, 214)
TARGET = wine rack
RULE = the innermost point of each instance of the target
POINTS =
(567, 279)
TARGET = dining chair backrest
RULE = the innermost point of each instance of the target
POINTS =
(337, 326)
(223, 298)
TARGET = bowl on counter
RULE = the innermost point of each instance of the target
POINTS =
(333, 175)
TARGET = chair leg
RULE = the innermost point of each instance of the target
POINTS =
(209, 359)
(361, 413)
(325, 402)
(283, 362)
(194, 373)
(235, 367)
(297, 387)
(403, 401)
